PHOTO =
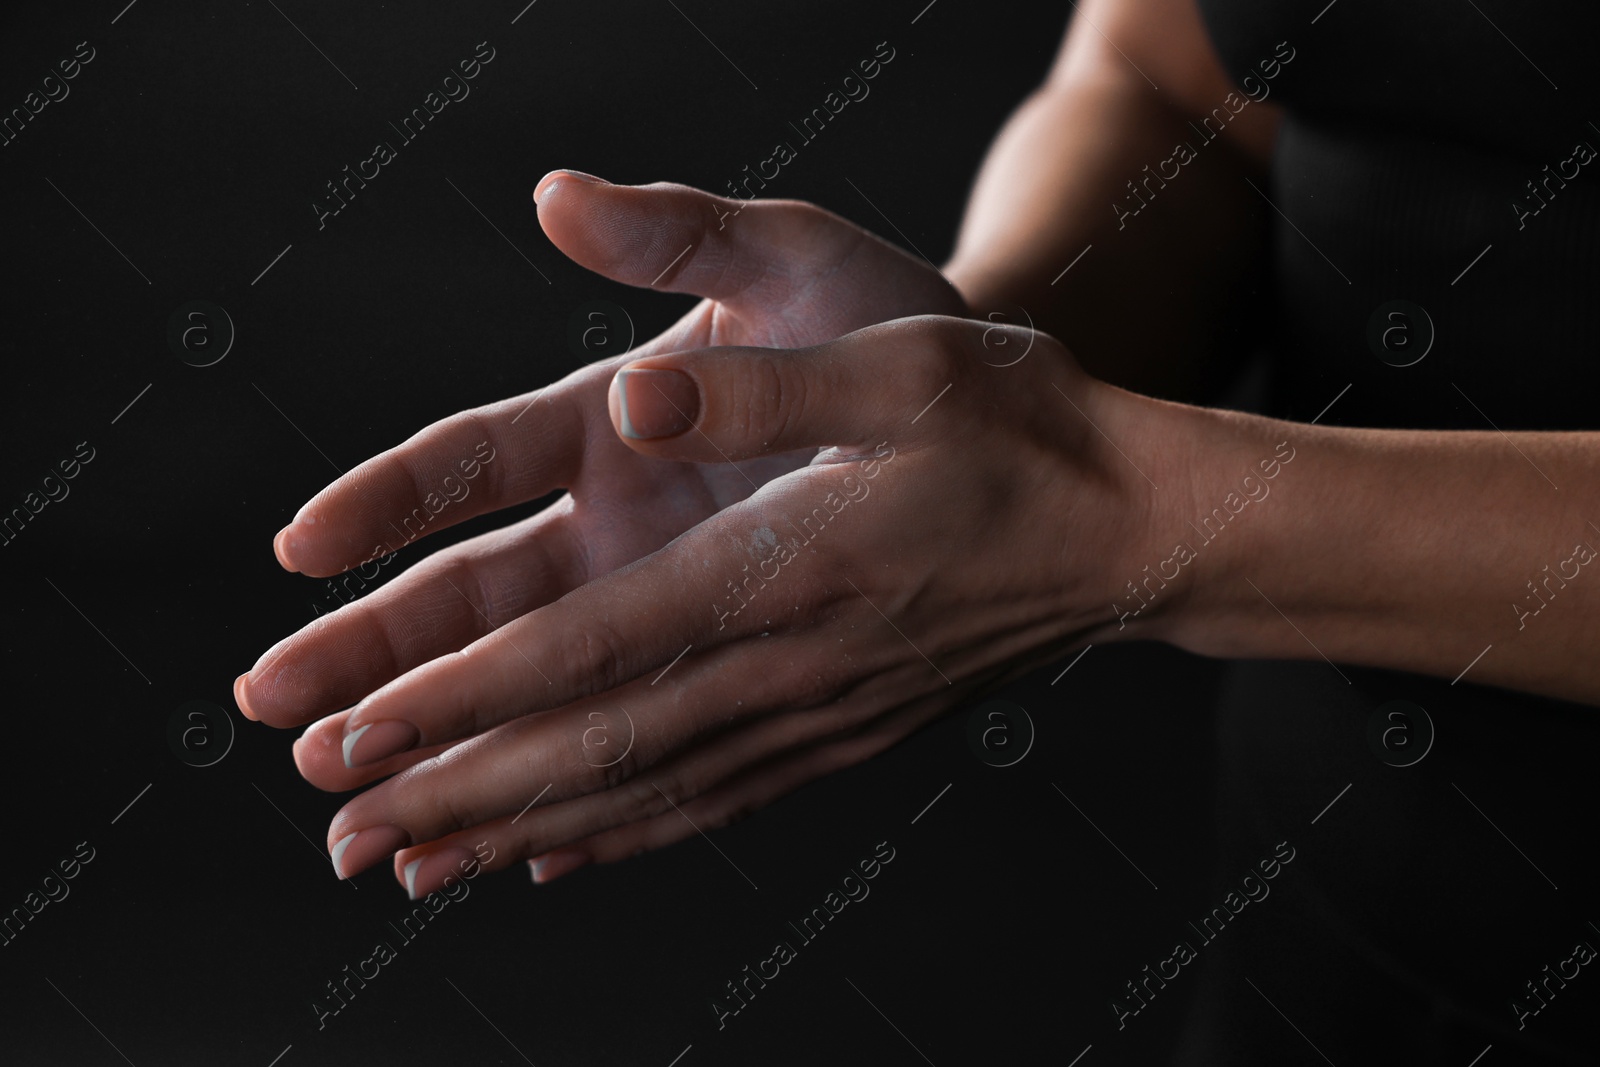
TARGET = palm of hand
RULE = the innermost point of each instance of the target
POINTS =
(625, 505)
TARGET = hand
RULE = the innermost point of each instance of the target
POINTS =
(965, 523)
(775, 273)
(771, 273)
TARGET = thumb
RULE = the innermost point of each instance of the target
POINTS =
(679, 239)
(726, 404)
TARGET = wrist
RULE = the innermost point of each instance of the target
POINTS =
(1280, 540)
(1149, 448)
(1217, 484)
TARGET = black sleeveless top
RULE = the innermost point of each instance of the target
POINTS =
(1439, 168)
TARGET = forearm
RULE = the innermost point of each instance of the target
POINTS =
(1145, 306)
(1409, 550)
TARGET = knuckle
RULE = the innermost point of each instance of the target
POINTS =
(621, 775)
(442, 463)
(641, 799)
(790, 221)
(803, 213)
(804, 685)
(446, 808)
(941, 350)
(674, 268)
(459, 574)
(594, 659)
(483, 432)
(955, 343)
(672, 796)
(774, 404)
(369, 641)
(457, 711)
(604, 748)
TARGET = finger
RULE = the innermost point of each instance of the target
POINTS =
(724, 404)
(722, 806)
(607, 633)
(436, 607)
(614, 751)
(736, 796)
(711, 786)
(588, 748)
(469, 464)
(490, 779)
(319, 751)
(317, 757)
(739, 251)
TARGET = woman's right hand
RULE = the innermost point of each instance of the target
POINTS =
(772, 274)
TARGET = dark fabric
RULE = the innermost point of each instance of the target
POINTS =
(1422, 902)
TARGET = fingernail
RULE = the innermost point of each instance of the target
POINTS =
(555, 175)
(358, 851)
(239, 698)
(338, 853)
(281, 547)
(411, 878)
(656, 403)
(378, 740)
(553, 865)
(429, 873)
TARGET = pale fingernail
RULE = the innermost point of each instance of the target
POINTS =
(435, 871)
(350, 740)
(338, 853)
(357, 851)
(378, 741)
(553, 865)
(656, 403)
(411, 878)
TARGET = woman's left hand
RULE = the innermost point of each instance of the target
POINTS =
(972, 517)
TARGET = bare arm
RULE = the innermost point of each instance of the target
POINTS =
(1366, 549)
(1130, 77)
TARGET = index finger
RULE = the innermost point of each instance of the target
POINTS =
(471, 463)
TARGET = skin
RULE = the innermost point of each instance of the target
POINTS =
(576, 687)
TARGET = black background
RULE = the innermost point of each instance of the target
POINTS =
(183, 166)
(208, 921)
